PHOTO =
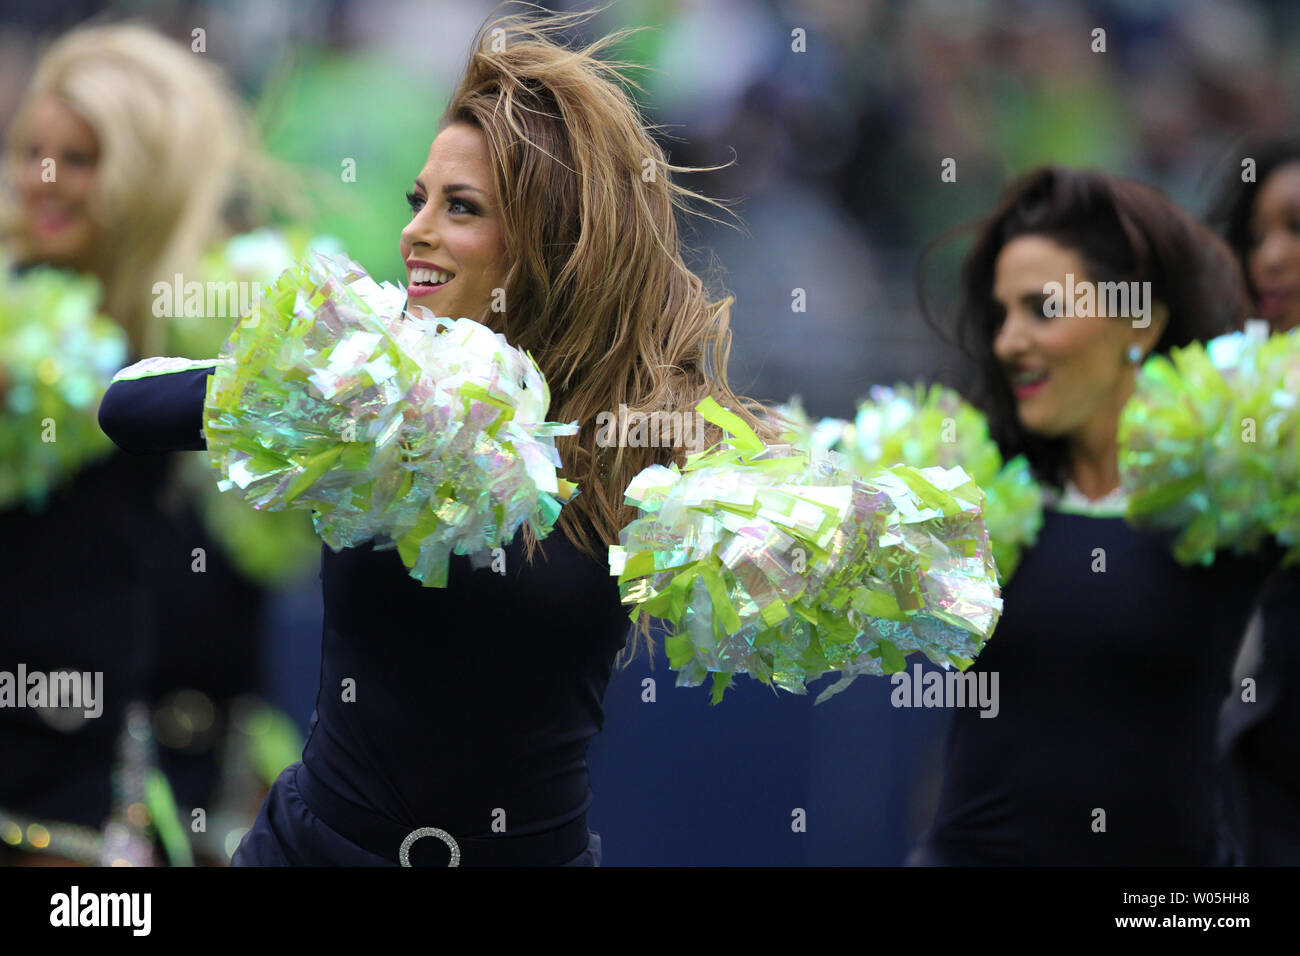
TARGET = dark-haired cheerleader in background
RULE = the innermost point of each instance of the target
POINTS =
(1112, 658)
(1260, 219)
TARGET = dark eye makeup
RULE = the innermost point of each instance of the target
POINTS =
(454, 204)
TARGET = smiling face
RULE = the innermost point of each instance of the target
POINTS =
(1274, 259)
(1070, 374)
(454, 246)
(55, 219)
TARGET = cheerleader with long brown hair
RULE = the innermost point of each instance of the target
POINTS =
(546, 211)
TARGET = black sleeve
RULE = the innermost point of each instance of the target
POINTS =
(157, 412)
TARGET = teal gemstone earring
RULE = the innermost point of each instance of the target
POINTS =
(1134, 354)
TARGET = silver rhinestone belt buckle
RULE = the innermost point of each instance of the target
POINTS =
(404, 853)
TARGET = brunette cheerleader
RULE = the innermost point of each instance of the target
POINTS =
(471, 706)
(1113, 659)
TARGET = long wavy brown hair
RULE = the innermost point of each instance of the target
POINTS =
(596, 288)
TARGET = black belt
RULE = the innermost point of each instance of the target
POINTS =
(431, 846)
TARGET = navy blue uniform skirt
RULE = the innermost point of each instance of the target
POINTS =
(287, 833)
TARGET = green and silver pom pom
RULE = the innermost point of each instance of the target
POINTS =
(57, 358)
(418, 432)
(933, 426)
(768, 562)
(1208, 445)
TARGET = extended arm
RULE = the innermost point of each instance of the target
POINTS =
(157, 405)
